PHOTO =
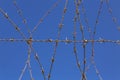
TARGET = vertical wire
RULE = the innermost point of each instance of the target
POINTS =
(29, 65)
(74, 47)
(80, 2)
(83, 38)
(56, 43)
(74, 39)
(93, 37)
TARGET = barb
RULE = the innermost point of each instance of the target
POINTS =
(45, 15)
(56, 43)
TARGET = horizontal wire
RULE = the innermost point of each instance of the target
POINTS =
(23, 36)
(65, 41)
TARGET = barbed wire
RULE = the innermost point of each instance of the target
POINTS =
(45, 15)
(64, 41)
(83, 37)
(93, 37)
(29, 43)
(77, 19)
(20, 13)
(114, 19)
(58, 37)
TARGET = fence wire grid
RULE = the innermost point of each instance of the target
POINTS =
(73, 40)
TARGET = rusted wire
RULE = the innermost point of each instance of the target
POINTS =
(77, 18)
(64, 41)
(28, 41)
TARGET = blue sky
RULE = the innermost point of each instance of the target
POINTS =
(13, 55)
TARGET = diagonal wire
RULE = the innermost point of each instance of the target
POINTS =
(45, 15)
(29, 42)
(38, 60)
(83, 41)
(27, 65)
(23, 36)
(74, 47)
(13, 23)
(58, 36)
(20, 12)
(83, 38)
(114, 19)
(23, 71)
(85, 18)
(93, 37)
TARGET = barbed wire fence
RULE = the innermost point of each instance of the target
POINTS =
(83, 67)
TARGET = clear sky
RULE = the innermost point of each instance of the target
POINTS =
(13, 55)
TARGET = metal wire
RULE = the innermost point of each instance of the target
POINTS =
(58, 37)
(83, 41)
(93, 37)
(63, 41)
(29, 43)
(45, 15)
(20, 12)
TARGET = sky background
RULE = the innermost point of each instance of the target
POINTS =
(13, 55)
